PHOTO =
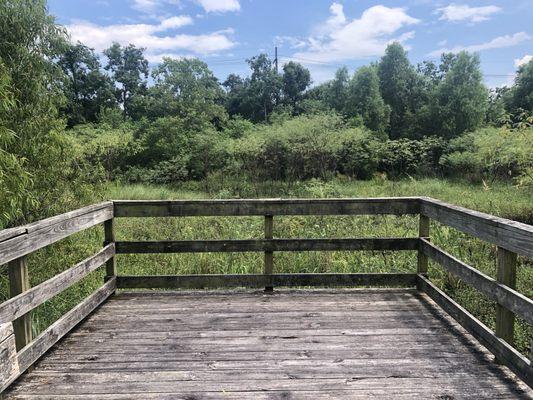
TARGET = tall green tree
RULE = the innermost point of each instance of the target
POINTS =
(32, 148)
(87, 89)
(397, 77)
(522, 91)
(187, 88)
(296, 79)
(461, 99)
(264, 87)
(365, 101)
(337, 90)
(235, 92)
(129, 69)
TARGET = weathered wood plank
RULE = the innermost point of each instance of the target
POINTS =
(109, 237)
(423, 232)
(26, 301)
(504, 352)
(9, 368)
(511, 235)
(48, 231)
(177, 208)
(267, 245)
(19, 284)
(506, 275)
(269, 255)
(259, 280)
(31, 353)
(502, 294)
(337, 394)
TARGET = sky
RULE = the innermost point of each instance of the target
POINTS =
(323, 35)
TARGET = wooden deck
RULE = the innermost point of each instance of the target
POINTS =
(293, 344)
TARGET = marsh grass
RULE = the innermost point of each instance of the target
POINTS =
(502, 200)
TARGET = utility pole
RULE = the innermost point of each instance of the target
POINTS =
(276, 59)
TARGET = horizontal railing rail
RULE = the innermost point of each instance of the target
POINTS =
(18, 351)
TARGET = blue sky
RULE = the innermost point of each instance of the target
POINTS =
(321, 34)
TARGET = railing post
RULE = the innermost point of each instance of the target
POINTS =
(269, 255)
(19, 282)
(506, 275)
(109, 232)
(423, 232)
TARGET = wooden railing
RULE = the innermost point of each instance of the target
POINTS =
(18, 351)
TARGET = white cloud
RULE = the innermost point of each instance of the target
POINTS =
(149, 6)
(496, 43)
(156, 38)
(340, 39)
(291, 41)
(521, 61)
(463, 12)
(220, 5)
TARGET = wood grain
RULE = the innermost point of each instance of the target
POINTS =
(31, 353)
(268, 245)
(260, 280)
(48, 231)
(181, 208)
(321, 357)
(26, 301)
(503, 351)
(511, 235)
(502, 294)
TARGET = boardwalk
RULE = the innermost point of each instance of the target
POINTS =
(294, 344)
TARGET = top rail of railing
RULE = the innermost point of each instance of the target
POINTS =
(511, 235)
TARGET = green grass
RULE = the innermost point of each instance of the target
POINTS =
(498, 199)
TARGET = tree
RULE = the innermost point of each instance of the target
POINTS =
(235, 92)
(87, 89)
(187, 88)
(296, 79)
(461, 98)
(337, 93)
(522, 91)
(264, 87)
(396, 77)
(35, 171)
(129, 69)
(364, 99)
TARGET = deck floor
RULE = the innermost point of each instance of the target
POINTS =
(343, 344)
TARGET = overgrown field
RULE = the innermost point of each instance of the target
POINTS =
(503, 200)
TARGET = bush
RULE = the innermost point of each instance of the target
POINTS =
(408, 157)
(492, 153)
(359, 154)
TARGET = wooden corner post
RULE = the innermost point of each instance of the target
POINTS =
(506, 275)
(269, 255)
(109, 232)
(19, 282)
(423, 232)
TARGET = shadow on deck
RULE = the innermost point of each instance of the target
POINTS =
(293, 344)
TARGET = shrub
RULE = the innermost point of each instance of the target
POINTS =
(492, 153)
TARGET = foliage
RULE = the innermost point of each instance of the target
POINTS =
(87, 89)
(396, 77)
(521, 95)
(365, 101)
(129, 69)
(461, 97)
(405, 157)
(186, 88)
(296, 79)
(492, 153)
(37, 172)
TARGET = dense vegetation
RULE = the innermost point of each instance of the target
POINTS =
(76, 126)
